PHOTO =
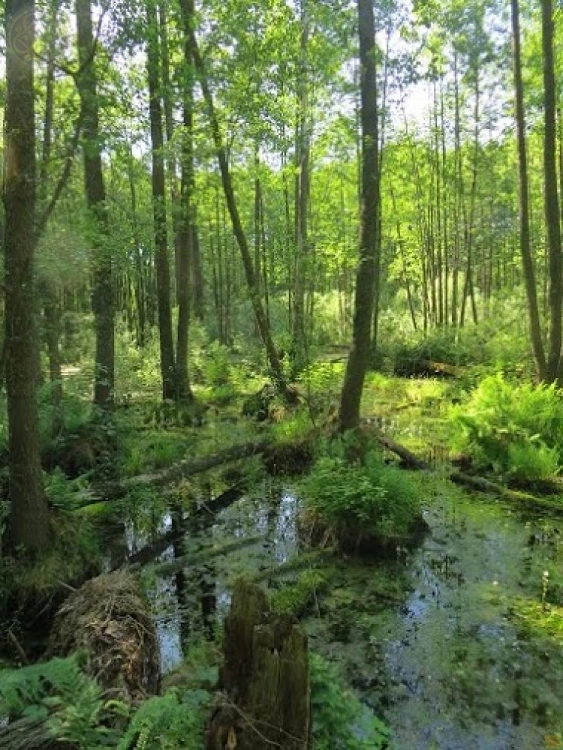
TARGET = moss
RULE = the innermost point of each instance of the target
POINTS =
(297, 597)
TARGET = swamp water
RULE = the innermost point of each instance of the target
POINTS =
(435, 641)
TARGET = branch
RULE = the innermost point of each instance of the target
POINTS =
(62, 181)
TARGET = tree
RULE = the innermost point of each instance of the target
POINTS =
(159, 207)
(187, 230)
(525, 245)
(251, 281)
(552, 217)
(351, 395)
(29, 519)
(102, 274)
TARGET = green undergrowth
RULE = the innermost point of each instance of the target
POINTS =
(74, 555)
(359, 500)
(340, 720)
(513, 429)
(297, 597)
(58, 701)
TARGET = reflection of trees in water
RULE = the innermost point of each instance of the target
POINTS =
(195, 587)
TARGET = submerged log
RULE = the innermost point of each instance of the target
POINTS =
(265, 676)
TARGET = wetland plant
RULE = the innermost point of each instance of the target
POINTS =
(365, 507)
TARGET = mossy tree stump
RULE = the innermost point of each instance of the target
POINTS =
(266, 675)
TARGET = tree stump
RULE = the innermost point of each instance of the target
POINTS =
(266, 677)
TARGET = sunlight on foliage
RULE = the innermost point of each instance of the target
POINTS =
(514, 429)
(369, 498)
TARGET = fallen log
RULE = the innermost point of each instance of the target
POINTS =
(492, 488)
(180, 470)
(191, 467)
(197, 558)
(409, 459)
(480, 484)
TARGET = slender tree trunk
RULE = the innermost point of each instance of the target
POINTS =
(302, 158)
(196, 275)
(351, 395)
(102, 272)
(242, 241)
(158, 183)
(525, 245)
(46, 285)
(167, 98)
(29, 517)
(140, 281)
(552, 217)
(186, 223)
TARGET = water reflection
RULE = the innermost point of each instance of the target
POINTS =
(428, 640)
(192, 602)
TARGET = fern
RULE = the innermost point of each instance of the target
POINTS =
(57, 692)
(513, 429)
(167, 722)
(340, 720)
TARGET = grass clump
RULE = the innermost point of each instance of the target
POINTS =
(361, 506)
(515, 430)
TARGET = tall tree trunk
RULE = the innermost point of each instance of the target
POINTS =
(196, 275)
(29, 518)
(102, 273)
(162, 264)
(525, 245)
(242, 241)
(140, 283)
(302, 158)
(552, 218)
(46, 286)
(351, 395)
(186, 227)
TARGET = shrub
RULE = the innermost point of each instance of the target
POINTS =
(513, 429)
(168, 723)
(58, 700)
(364, 502)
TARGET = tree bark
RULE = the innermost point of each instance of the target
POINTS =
(102, 271)
(266, 672)
(162, 263)
(525, 245)
(351, 395)
(29, 518)
(552, 218)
